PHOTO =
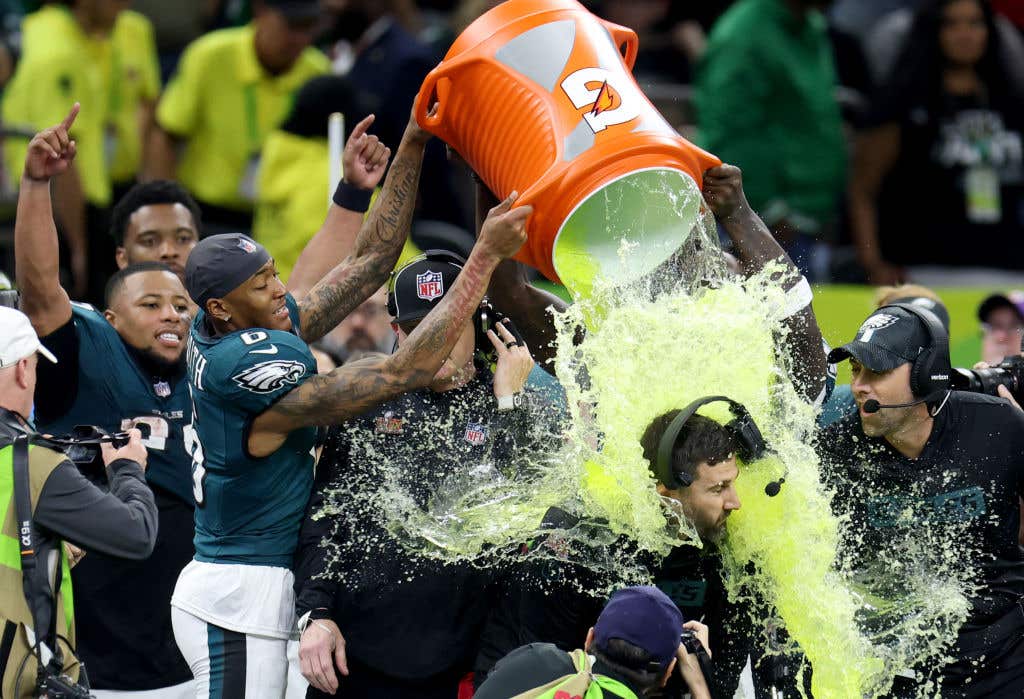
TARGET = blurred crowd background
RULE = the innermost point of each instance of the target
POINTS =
(879, 139)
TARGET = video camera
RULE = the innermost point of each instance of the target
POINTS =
(53, 684)
(1009, 373)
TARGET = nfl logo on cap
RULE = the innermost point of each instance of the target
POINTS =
(247, 245)
(429, 285)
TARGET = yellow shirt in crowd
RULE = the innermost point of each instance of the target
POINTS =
(54, 73)
(293, 198)
(224, 104)
(130, 68)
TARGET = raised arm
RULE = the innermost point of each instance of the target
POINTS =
(353, 388)
(364, 161)
(46, 303)
(755, 247)
(525, 304)
(377, 246)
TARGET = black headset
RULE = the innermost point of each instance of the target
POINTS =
(485, 316)
(751, 444)
(930, 370)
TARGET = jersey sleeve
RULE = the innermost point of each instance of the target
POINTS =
(256, 368)
(96, 336)
(178, 111)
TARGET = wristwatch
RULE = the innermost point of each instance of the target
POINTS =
(512, 402)
(313, 614)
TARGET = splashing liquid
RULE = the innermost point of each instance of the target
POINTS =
(684, 331)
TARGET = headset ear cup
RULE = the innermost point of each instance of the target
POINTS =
(392, 305)
(683, 480)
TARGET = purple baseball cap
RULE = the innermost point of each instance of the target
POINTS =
(645, 617)
(1013, 300)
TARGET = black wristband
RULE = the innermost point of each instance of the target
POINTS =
(319, 613)
(352, 198)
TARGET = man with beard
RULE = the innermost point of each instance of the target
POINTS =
(527, 613)
(929, 480)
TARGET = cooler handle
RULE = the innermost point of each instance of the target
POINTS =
(624, 36)
(437, 86)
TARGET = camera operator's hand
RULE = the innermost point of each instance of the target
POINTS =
(514, 362)
(689, 665)
(133, 450)
(321, 649)
(1003, 391)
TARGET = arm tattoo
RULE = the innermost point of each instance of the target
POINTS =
(352, 389)
(377, 248)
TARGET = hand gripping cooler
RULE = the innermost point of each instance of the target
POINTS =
(537, 96)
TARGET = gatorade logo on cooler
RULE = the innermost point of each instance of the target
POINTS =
(596, 88)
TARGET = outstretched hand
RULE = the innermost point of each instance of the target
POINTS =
(51, 151)
(365, 158)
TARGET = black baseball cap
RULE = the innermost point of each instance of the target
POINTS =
(889, 337)
(936, 307)
(417, 288)
(219, 264)
(1014, 300)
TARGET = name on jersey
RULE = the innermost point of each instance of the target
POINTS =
(267, 377)
(196, 363)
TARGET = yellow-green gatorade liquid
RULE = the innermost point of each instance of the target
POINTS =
(685, 330)
(625, 229)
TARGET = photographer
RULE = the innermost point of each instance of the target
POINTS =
(632, 651)
(929, 480)
(64, 506)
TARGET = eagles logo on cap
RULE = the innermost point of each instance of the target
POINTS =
(873, 324)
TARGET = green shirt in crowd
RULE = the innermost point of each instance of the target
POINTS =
(765, 102)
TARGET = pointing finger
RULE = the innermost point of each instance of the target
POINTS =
(362, 127)
(70, 118)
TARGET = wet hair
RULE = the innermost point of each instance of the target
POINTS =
(916, 77)
(700, 440)
(116, 282)
(885, 295)
(630, 662)
(148, 194)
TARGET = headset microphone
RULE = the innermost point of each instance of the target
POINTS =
(873, 406)
(774, 487)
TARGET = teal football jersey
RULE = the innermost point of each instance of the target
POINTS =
(114, 393)
(248, 510)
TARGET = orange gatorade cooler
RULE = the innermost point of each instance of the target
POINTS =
(537, 96)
